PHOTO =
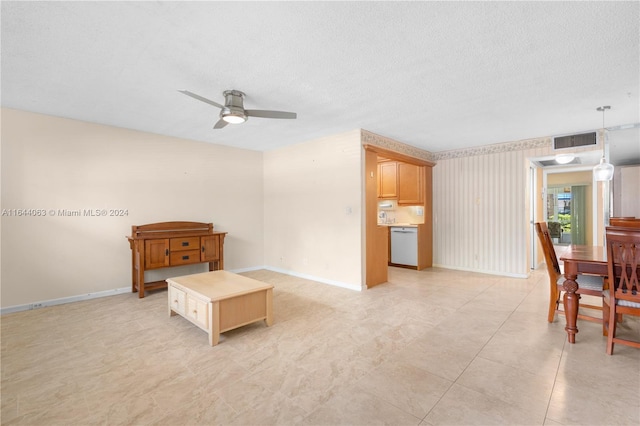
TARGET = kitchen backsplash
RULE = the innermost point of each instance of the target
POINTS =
(399, 214)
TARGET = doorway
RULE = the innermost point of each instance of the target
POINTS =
(566, 213)
(568, 200)
(569, 205)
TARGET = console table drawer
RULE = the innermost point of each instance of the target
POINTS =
(184, 257)
(186, 243)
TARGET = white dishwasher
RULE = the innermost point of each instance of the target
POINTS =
(404, 245)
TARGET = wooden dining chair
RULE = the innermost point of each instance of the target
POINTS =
(588, 284)
(623, 294)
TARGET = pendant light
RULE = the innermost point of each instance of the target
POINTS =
(604, 170)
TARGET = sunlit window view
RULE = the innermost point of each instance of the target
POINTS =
(566, 214)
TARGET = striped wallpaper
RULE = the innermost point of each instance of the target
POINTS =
(480, 202)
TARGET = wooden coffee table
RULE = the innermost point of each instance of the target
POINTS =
(220, 301)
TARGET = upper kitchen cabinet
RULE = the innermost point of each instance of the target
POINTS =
(410, 184)
(401, 181)
(388, 179)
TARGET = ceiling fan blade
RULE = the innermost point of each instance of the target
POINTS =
(269, 114)
(220, 124)
(200, 98)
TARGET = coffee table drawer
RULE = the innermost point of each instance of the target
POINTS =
(177, 299)
(198, 312)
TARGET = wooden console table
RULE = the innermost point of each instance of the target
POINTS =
(168, 244)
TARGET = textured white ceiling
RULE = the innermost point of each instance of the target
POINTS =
(436, 75)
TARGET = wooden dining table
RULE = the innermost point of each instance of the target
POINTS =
(579, 259)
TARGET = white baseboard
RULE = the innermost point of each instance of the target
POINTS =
(480, 271)
(249, 269)
(63, 300)
(314, 278)
(105, 293)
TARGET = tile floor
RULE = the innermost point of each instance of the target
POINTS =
(428, 348)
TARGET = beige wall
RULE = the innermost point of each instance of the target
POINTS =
(312, 211)
(567, 178)
(54, 163)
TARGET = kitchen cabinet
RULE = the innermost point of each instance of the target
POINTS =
(388, 180)
(410, 184)
(401, 181)
(169, 244)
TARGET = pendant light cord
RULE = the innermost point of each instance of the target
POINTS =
(603, 109)
(603, 153)
(604, 170)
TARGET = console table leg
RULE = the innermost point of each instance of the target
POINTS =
(134, 268)
(141, 286)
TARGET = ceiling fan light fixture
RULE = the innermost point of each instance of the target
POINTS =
(234, 118)
(564, 158)
(233, 115)
(233, 112)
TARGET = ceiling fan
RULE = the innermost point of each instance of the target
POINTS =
(233, 110)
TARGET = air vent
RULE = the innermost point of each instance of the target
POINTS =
(572, 141)
(553, 163)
